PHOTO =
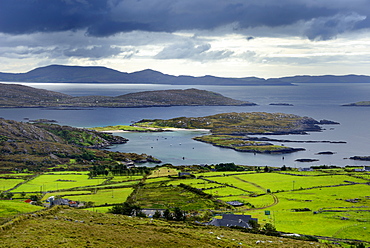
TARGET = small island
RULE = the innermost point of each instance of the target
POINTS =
(281, 104)
(360, 158)
(359, 104)
(231, 130)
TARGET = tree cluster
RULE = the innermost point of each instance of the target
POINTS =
(176, 214)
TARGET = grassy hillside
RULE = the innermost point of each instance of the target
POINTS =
(43, 147)
(61, 227)
(298, 202)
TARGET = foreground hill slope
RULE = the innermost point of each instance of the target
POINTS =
(39, 147)
(13, 95)
(61, 227)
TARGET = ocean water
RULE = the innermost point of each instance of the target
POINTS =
(319, 101)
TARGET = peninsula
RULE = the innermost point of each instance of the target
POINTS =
(17, 96)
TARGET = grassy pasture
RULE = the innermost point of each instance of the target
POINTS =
(322, 223)
(164, 172)
(10, 208)
(106, 196)
(6, 184)
(57, 182)
(99, 209)
(221, 173)
(169, 197)
(226, 191)
(353, 223)
(231, 180)
(275, 181)
(196, 183)
(67, 172)
(107, 186)
(65, 193)
(125, 178)
(158, 179)
(17, 175)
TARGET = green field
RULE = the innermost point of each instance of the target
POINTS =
(125, 178)
(164, 172)
(299, 202)
(322, 192)
(106, 196)
(6, 184)
(53, 182)
(11, 208)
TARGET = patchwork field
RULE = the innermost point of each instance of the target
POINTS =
(303, 202)
(329, 203)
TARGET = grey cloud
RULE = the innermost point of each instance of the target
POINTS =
(93, 52)
(325, 28)
(102, 18)
(192, 50)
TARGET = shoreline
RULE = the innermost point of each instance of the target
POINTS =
(153, 131)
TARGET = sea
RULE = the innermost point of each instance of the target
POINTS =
(317, 100)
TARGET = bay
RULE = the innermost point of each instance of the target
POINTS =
(319, 101)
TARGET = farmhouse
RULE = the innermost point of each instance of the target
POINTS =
(229, 220)
(181, 174)
(235, 203)
(61, 201)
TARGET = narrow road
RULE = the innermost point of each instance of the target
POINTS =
(275, 198)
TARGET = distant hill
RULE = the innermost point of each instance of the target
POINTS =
(99, 74)
(94, 74)
(13, 95)
(326, 79)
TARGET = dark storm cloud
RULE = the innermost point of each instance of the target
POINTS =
(107, 17)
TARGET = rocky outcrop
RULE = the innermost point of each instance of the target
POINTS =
(306, 160)
(362, 158)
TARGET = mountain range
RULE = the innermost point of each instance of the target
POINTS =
(97, 74)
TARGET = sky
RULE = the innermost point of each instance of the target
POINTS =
(227, 38)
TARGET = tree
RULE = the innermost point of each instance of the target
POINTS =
(266, 169)
(126, 209)
(157, 214)
(167, 214)
(283, 168)
(270, 230)
(254, 224)
(9, 195)
(178, 214)
(34, 197)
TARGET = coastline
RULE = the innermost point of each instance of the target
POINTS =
(151, 130)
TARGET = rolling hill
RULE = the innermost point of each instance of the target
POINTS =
(99, 74)
(13, 95)
(95, 74)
